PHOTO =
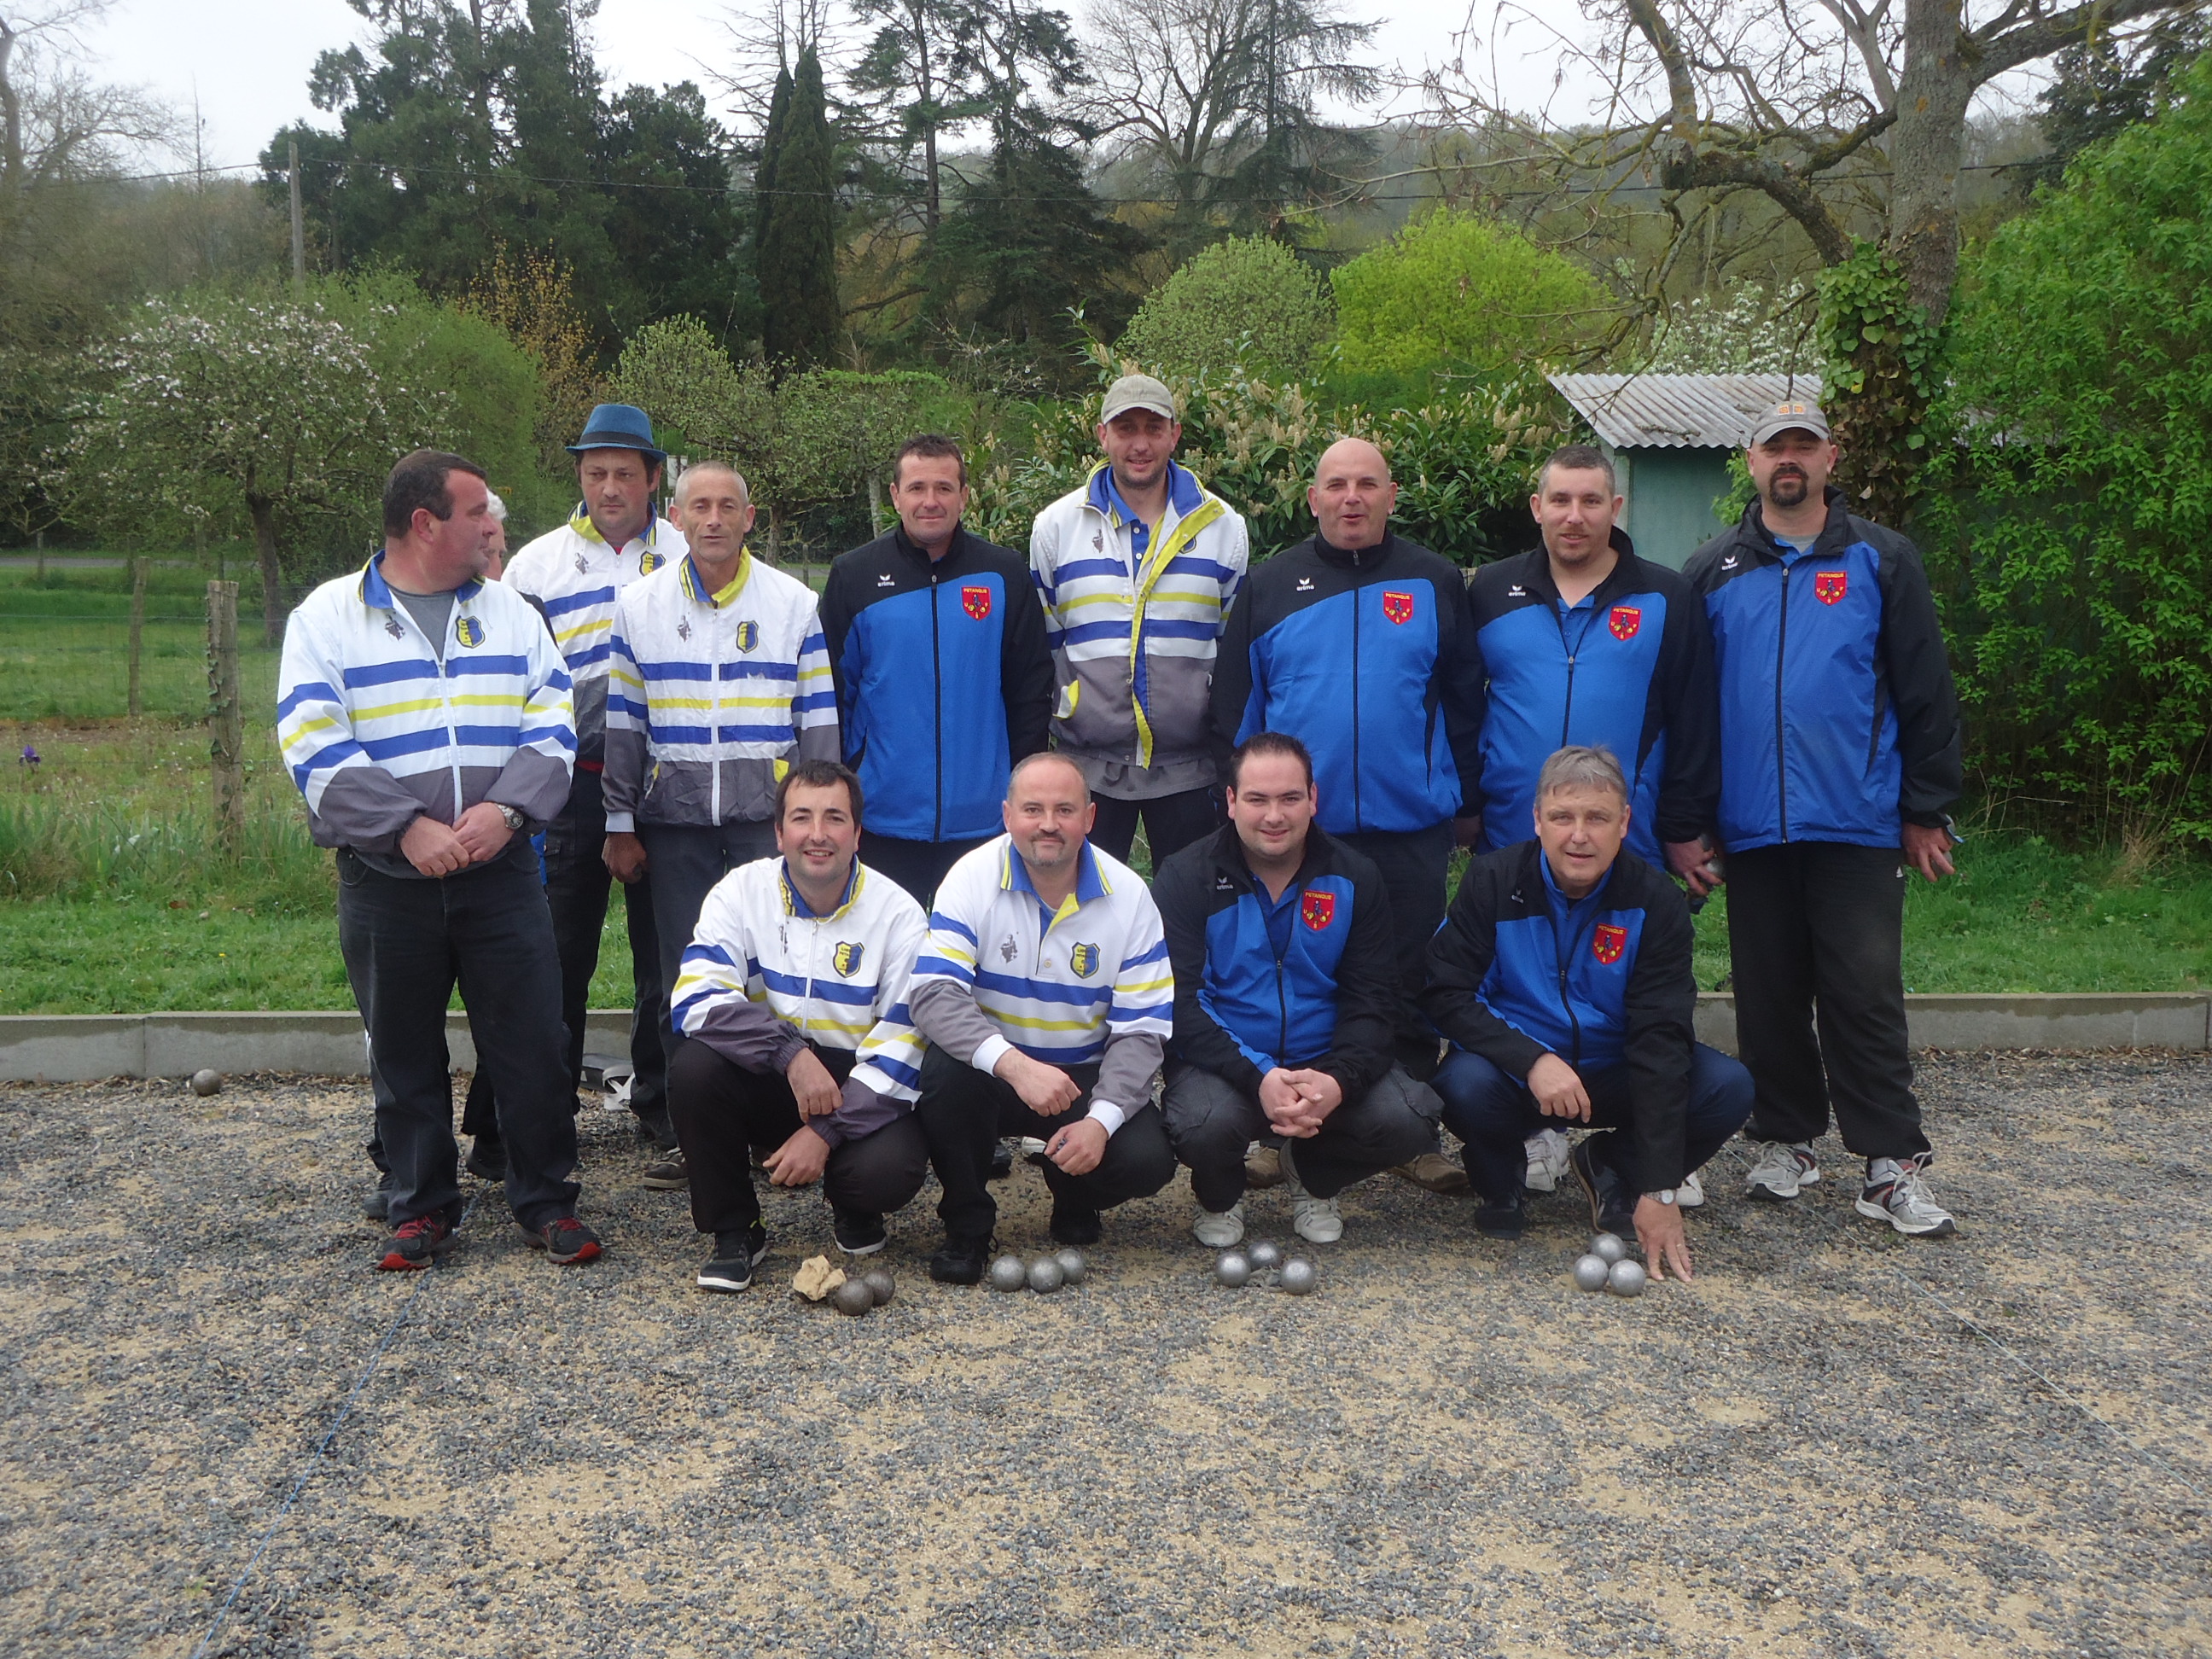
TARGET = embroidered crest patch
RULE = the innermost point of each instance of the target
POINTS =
(1625, 621)
(748, 635)
(1398, 606)
(1083, 960)
(845, 959)
(1316, 908)
(975, 600)
(468, 630)
(1608, 941)
(1829, 586)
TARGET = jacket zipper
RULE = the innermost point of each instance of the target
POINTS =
(1559, 960)
(1574, 655)
(1358, 818)
(714, 731)
(936, 707)
(1781, 749)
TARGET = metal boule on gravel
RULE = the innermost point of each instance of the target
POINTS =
(1590, 1273)
(1264, 1255)
(1299, 1276)
(1233, 1269)
(1609, 1246)
(1045, 1276)
(1627, 1279)
(880, 1285)
(1072, 1268)
(1007, 1273)
(853, 1297)
(206, 1081)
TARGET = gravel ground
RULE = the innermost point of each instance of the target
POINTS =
(1446, 1451)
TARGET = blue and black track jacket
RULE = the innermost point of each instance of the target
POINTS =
(1629, 669)
(1368, 658)
(1838, 717)
(1517, 972)
(1326, 1000)
(942, 680)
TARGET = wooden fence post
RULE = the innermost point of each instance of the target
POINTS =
(137, 630)
(226, 737)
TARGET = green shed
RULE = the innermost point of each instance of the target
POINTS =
(1669, 437)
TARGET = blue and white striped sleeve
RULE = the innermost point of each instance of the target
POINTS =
(535, 779)
(352, 800)
(1144, 990)
(719, 998)
(627, 742)
(814, 705)
(889, 1060)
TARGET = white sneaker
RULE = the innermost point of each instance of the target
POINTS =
(1781, 1169)
(1316, 1221)
(1895, 1193)
(1217, 1231)
(1691, 1195)
(1547, 1161)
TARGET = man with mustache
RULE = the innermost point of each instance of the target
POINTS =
(1839, 764)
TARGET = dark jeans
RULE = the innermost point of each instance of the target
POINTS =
(721, 1110)
(964, 1111)
(1171, 822)
(1821, 924)
(683, 862)
(1211, 1121)
(1414, 866)
(577, 886)
(406, 943)
(1495, 1114)
(916, 865)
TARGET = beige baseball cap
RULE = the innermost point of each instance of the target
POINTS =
(1791, 416)
(1138, 391)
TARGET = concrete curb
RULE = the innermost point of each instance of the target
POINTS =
(77, 1048)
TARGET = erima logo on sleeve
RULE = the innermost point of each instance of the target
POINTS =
(846, 957)
(468, 630)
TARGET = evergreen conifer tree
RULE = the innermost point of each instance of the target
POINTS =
(799, 235)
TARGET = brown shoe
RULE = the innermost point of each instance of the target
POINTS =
(1433, 1171)
(1263, 1166)
(667, 1174)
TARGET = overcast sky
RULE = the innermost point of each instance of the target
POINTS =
(247, 60)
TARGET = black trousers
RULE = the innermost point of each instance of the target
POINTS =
(1171, 822)
(683, 862)
(1414, 867)
(722, 1110)
(1820, 926)
(1210, 1122)
(963, 1112)
(577, 886)
(916, 865)
(406, 943)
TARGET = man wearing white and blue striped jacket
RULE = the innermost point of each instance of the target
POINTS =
(1046, 997)
(718, 678)
(425, 714)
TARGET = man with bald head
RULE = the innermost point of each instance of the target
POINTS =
(1361, 645)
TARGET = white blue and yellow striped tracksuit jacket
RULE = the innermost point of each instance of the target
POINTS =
(573, 578)
(377, 731)
(711, 695)
(763, 974)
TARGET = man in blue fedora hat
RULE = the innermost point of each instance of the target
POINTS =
(572, 575)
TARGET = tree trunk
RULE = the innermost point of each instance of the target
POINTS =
(263, 513)
(1925, 148)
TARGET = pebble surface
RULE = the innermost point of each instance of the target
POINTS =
(1829, 1445)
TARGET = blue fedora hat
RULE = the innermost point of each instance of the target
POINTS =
(618, 426)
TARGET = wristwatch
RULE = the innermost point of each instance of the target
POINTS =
(1667, 1196)
(514, 819)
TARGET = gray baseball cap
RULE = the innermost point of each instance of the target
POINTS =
(1789, 415)
(1138, 391)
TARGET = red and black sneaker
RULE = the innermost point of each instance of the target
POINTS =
(566, 1241)
(415, 1244)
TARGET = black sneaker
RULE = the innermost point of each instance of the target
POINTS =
(961, 1261)
(487, 1159)
(377, 1206)
(1612, 1207)
(1002, 1160)
(415, 1244)
(736, 1254)
(667, 1175)
(566, 1241)
(858, 1232)
(1500, 1220)
(1071, 1224)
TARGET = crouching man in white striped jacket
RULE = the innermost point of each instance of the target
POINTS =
(425, 714)
(793, 1004)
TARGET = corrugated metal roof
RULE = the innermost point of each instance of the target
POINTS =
(1678, 411)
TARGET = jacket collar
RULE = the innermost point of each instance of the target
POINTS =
(794, 901)
(1091, 881)
(1626, 568)
(1184, 494)
(1365, 558)
(1835, 534)
(695, 580)
(915, 552)
(376, 592)
(1229, 859)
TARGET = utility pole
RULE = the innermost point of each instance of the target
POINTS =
(299, 237)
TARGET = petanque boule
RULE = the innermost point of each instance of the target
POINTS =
(206, 1081)
(1590, 1273)
(853, 1297)
(1045, 1275)
(1007, 1273)
(1627, 1279)
(880, 1285)
(1263, 1256)
(1299, 1276)
(1608, 1247)
(1233, 1269)
(1072, 1268)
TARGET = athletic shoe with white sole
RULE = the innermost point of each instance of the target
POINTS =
(1691, 1195)
(730, 1269)
(1895, 1193)
(858, 1232)
(1547, 1161)
(1218, 1230)
(1315, 1220)
(1780, 1170)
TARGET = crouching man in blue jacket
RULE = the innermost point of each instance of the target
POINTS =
(1561, 977)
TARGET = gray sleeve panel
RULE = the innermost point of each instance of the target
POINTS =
(1126, 1070)
(623, 783)
(821, 742)
(534, 784)
(947, 1016)
(590, 698)
(749, 1034)
(366, 808)
(860, 1112)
